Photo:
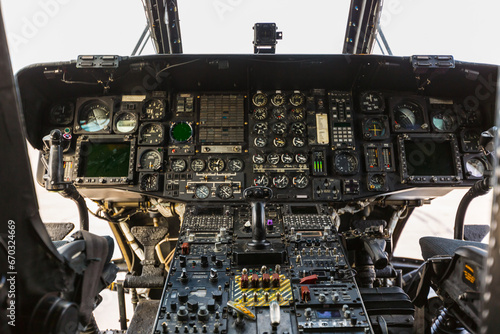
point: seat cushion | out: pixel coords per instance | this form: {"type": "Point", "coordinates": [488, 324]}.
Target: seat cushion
{"type": "Point", "coordinates": [432, 246]}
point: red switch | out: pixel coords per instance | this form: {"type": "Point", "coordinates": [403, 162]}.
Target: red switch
{"type": "Point", "coordinates": [255, 281]}
{"type": "Point", "coordinates": [244, 281]}
{"type": "Point", "coordinates": [185, 248]}
{"type": "Point", "coordinates": [305, 294]}
{"type": "Point", "coordinates": [275, 280]}
{"type": "Point", "coordinates": [266, 280]}
{"type": "Point", "coordinates": [309, 279]}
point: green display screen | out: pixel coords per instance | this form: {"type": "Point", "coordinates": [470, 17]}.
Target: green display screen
{"type": "Point", "coordinates": [104, 159]}
{"type": "Point", "coordinates": [181, 132]}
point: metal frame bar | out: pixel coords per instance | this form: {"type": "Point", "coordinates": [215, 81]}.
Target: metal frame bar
{"type": "Point", "coordinates": [163, 23]}
{"type": "Point", "coordinates": [362, 26]}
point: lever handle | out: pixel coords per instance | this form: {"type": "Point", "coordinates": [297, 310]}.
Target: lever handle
{"type": "Point", "coordinates": [375, 248]}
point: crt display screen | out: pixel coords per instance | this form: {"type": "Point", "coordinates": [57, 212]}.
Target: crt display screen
{"type": "Point", "coordinates": [328, 314]}
{"type": "Point", "coordinates": [425, 157]}
{"type": "Point", "coordinates": [104, 159]}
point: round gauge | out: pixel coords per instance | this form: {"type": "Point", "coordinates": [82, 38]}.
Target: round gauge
{"type": "Point", "coordinates": [149, 182]}
{"type": "Point", "coordinates": [125, 122]}
{"type": "Point", "coordinates": [470, 140]}
{"type": "Point", "coordinates": [216, 165]}
{"type": "Point", "coordinates": [181, 132]}
{"type": "Point", "coordinates": [259, 99]}
{"type": "Point", "coordinates": [298, 128]}
{"type": "Point", "coordinates": [409, 116]}
{"type": "Point", "coordinates": [278, 99]}
{"type": "Point", "coordinates": [374, 128]}
{"type": "Point", "coordinates": [287, 158]}
{"type": "Point", "coordinates": [151, 134]}
{"type": "Point", "coordinates": [260, 141]}
{"type": "Point", "coordinates": [154, 110]}
{"type": "Point", "coordinates": [371, 102]}
{"type": "Point", "coordinates": [301, 158]}
{"type": "Point", "coordinates": [300, 181]}
{"type": "Point", "coordinates": [202, 191]}
{"type": "Point", "coordinates": [258, 159]}
{"type": "Point", "coordinates": [279, 113]}
{"type": "Point", "coordinates": [62, 113]}
{"type": "Point", "coordinates": [297, 114]}
{"type": "Point", "coordinates": [197, 165]}
{"type": "Point", "coordinates": [225, 191]}
{"type": "Point", "coordinates": [475, 167]}
{"type": "Point", "coordinates": [298, 142]}
{"type": "Point", "coordinates": [279, 128]}
{"type": "Point", "coordinates": [260, 114]}
{"type": "Point", "coordinates": [260, 128]}
{"type": "Point", "coordinates": [261, 180]}
{"type": "Point", "coordinates": [444, 121]}
{"type": "Point", "coordinates": [297, 99]}
{"type": "Point", "coordinates": [94, 116]}
{"type": "Point", "coordinates": [346, 162]}
{"type": "Point", "coordinates": [376, 182]}
{"type": "Point", "coordinates": [178, 165]}
{"type": "Point", "coordinates": [235, 165]}
{"type": "Point", "coordinates": [273, 158]}
{"type": "Point", "coordinates": [280, 181]}
{"type": "Point", "coordinates": [150, 160]}
{"type": "Point", "coordinates": [279, 142]}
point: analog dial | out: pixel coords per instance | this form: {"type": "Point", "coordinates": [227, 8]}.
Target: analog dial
{"type": "Point", "coordinates": [149, 182]}
{"type": "Point", "coordinates": [62, 113]}
{"type": "Point", "coordinates": [299, 128]}
{"type": "Point", "coordinates": [178, 165]}
{"type": "Point", "coordinates": [225, 191]}
{"type": "Point", "coordinates": [279, 128]}
{"type": "Point", "coordinates": [376, 182]}
{"type": "Point", "coordinates": [279, 142]}
{"type": "Point", "coordinates": [235, 165]}
{"type": "Point", "coordinates": [297, 99]}
{"type": "Point", "coordinates": [287, 158]}
{"type": "Point", "coordinates": [409, 116]}
{"type": "Point", "coordinates": [475, 167]}
{"type": "Point", "coordinates": [151, 134]}
{"type": "Point", "coordinates": [259, 99]}
{"type": "Point", "coordinates": [126, 122]}
{"type": "Point", "coordinates": [258, 159]}
{"type": "Point", "coordinates": [445, 122]}
{"type": "Point", "coordinates": [371, 102]}
{"type": "Point", "coordinates": [280, 181]}
{"type": "Point", "coordinates": [150, 160]}
{"type": "Point", "coordinates": [300, 181]}
{"type": "Point", "coordinates": [198, 165]}
{"type": "Point", "coordinates": [297, 114]}
{"type": "Point", "coordinates": [298, 141]}
{"type": "Point", "coordinates": [260, 141]}
{"type": "Point", "coordinates": [278, 99]}
{"type": "Point", "coordinates": [301, 158]}
{"type": "Point", "coordinates": [279, 113]}
{"type": "Point", "coordinates": [260, 114]}
{"type": "Point", "coordinates": [94, 117]}
{"type": "Point", "coordinates": [273, 158]}
{"type": "Point", "coordinates": [260, 128]}
{"type": "Point", "coordinates": [346, 163]}
{"type": "Point", "coordinates": [154, 110]}
{"type": "Point", "coordinates": [202, 192]}
{"type": "Point", "coordinates": [216, 165]}
{"type": "Point", "coordinates": [374, 128]}
{"type": "Point", "coordinates": [261, 180]}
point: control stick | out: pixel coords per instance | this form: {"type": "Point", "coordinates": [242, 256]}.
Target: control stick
{"type": "Point", "coordinates": [54, 178]}
{"type": "Point", "coordinates": [257, 196]}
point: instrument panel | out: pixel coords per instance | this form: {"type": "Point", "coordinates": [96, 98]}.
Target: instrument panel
{"type": "Point", "coordinates": [306, 145]}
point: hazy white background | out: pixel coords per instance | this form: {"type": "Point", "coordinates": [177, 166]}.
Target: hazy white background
{"type": "Point", "coordinates": [57, 30]}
